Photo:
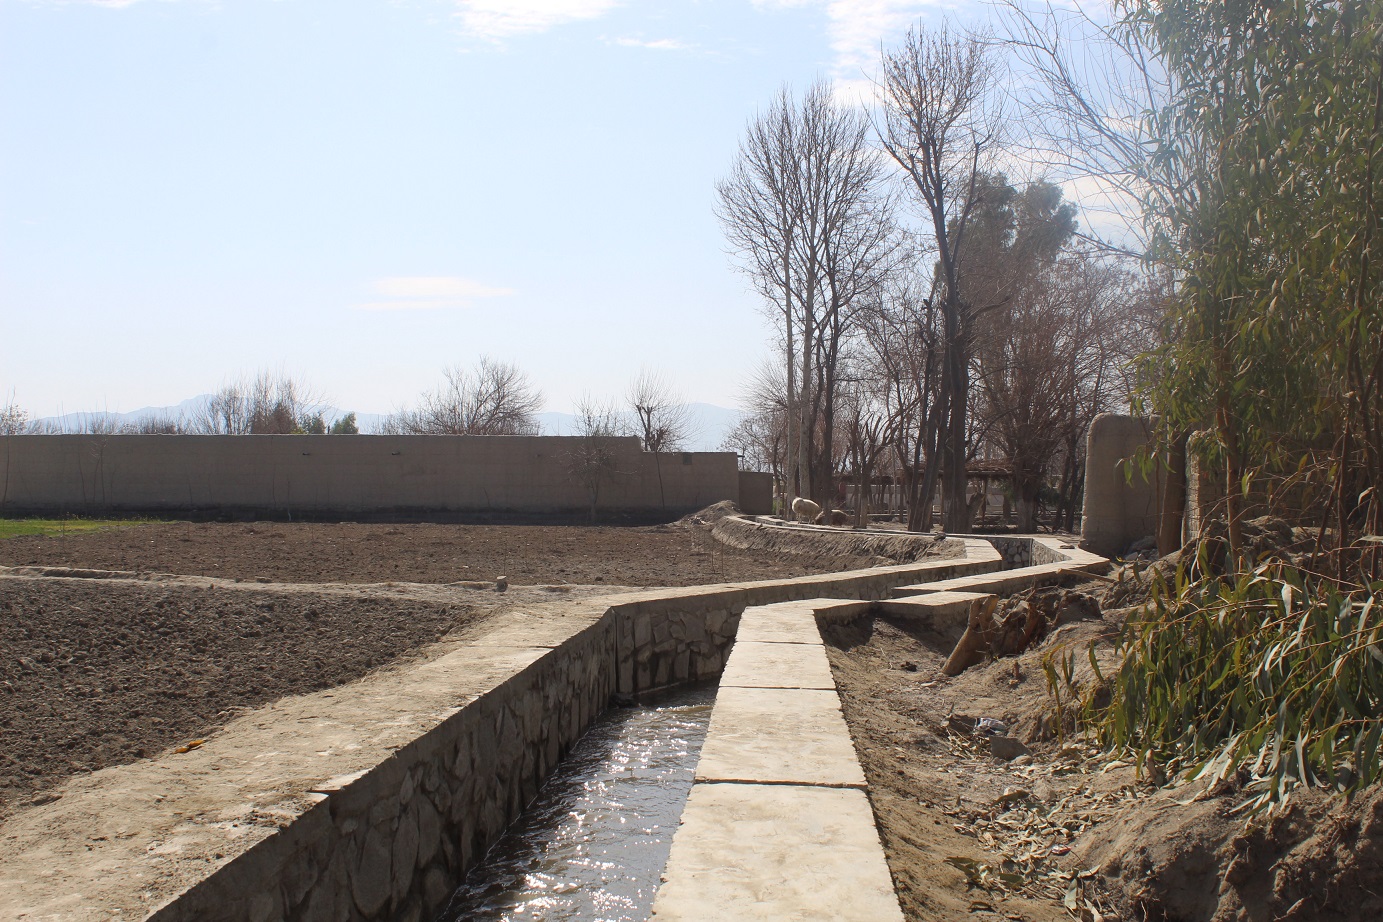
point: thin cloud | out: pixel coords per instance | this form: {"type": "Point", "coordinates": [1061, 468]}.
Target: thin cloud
{"type": "Point", "coordinates": [856, 28]}
{"type": "Point", "coordinates": [429, 293]}
{"type": "Point", "coordinates": [659, 44]}
{"type": "Point", "coordinates": [496, 20]}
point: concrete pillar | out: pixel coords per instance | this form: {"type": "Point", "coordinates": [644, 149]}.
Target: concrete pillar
{"type": "Point", "coordinates": [1118, 510]}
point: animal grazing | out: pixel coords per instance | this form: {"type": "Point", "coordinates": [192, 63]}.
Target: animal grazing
{"type": "Point", "coordinates": [804, 510]}
{"type": "Point", "coordinates": [839, 518]}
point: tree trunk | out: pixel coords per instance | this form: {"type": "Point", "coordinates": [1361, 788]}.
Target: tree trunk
{"type": "Point", "coordinates": [1173, 511]}
{"type": "Point", "coordinates": [804, 459]}
{"type": "Point", "coordinates": [973, 645]}
{"type": "Point", "coordinates": [956, 500]}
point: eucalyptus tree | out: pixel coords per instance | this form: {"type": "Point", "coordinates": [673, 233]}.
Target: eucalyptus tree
{"type": "Point", "coordinates": [1027, 326]}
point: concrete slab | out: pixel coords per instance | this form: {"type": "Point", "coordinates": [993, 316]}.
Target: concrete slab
{"type": "Point", "coordinates": [940, 610]}
{"type": "Point", "coordinates": [770, 852]}
{"type": "Point", "coordinates": [790, 622]}
{"type": "Point", "coordinates": [1003, 582]}
{"type": "Point", "coordinates": [778, 665]}
{"type": "Point", "coordinates": [779, 736]}
{"type": "Point", "coordinates": [526, 629]}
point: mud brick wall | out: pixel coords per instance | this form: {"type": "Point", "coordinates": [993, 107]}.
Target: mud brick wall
{"type": "Point", "coordinates": [349, 475]}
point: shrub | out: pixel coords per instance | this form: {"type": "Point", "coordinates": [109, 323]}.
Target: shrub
{"type": "Point", "coordinates": [1273, 672]}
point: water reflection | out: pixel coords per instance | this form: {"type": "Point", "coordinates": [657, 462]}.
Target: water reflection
{"type": "Point", "coordinates": [594, 843]}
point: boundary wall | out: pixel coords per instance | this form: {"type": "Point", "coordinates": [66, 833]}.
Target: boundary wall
{"type": "Point", "coordinates": [325, 476]}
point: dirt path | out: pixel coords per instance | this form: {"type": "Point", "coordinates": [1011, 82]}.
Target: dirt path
{"type": "Point", "coordinates": [664, 555]}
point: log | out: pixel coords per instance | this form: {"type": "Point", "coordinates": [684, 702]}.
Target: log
{"type": "Point", "coordinates": [973, 645]}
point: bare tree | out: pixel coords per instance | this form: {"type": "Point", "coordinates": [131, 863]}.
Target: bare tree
{"type": "Point", "coordinates": [759, 208]}
{"type": "Point", "coordinates": [592, 460]}
{"type": "Point", "coordinates": [807, 211]}
{"type": "Point", "coordinates": [496, 399]}
{"type": "Point", "coordinates": [1086, 86]}
{"type": "Point", "coordinates": [662, 420]}
{"type": "Point", "coordinates": [866, 426]}
{"type": "Point", "coordinates": [761, 437]}
{"type": "Point", "coordinates": [270, 403]}
{"type": "Point", "coordinates": [14, 419]}
{"type": "Point", "coordinates": [940, 125]}
{"type": "Point", "coordinates": [905, 341]}
{"type": "Point", "coordinates": [760, 441]}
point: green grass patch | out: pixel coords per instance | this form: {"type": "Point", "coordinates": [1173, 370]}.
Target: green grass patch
{"type": "Point", "coordinates": [15, 528]}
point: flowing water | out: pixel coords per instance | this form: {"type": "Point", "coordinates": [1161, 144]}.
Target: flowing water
{"type": "Point", "coordinates": [595, 841]}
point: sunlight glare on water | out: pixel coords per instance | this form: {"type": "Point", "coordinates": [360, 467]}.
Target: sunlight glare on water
{"type": "Point", "coordinates": [593, 844]}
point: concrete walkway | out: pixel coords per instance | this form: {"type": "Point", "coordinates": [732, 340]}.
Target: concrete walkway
{"type": "Point", "coordinates": [778, 826]}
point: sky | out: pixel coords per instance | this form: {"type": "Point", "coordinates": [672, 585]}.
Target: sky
{"type": "Point", "coordinates": [359, 193]}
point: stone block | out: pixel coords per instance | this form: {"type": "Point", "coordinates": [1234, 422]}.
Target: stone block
{"type": "Point", "coordinates": [779, 736]}
{"type": "Point", "coordinates": [405, 854]}
{"type": "Point", "coordinates": [776, 852]}
{"type": "Point", "coordinates": [371, 883]}
{"type": "Point", "coordinates": [778, 665]}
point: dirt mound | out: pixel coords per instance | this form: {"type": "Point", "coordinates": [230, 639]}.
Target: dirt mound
{"type": "Point", "coordinates": [818, 544]}
{"type": "Point", "coordinates": [1175, 857]}
{"type": "Point", "coordinates": [1265, 538]}
{"type": "Point", "coordinates": [708, 516]}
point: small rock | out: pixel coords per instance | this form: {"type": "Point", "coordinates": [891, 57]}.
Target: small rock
{"type": "Point", "coordinates": [1012, 795]}
{"type": "Point", "coordinates": [501, 584]}
{"type": "Point", "coordinates": [1022, 760]}
{"type": "Point", "coordinates": [908, 666]}
{"type": "Point", "coordinates": [1007, 748]}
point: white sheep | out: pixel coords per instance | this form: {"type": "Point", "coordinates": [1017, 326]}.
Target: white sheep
{"type": "Point", "coordinates": [804, 510]}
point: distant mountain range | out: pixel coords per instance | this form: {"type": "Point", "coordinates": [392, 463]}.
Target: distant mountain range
{"type": "Point", "coordinates": [709, 424]}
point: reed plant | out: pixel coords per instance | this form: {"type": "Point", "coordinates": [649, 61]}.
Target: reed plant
{"type": "Point", "coordinates": [1272, 674]}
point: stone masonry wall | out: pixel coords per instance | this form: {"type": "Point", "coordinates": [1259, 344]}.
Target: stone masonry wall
{"type": "Point", "coordinates": [774, 535]}
{"type": "Point", "coordinates": [395, 841]}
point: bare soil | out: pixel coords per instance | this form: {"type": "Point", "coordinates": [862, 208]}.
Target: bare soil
{"type": "Point", "coordinates": [1065, 832]}
{"type": "Point", "coordinates": [663, 555]}
{"type": "Point", "coordinates": [102, 671]}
